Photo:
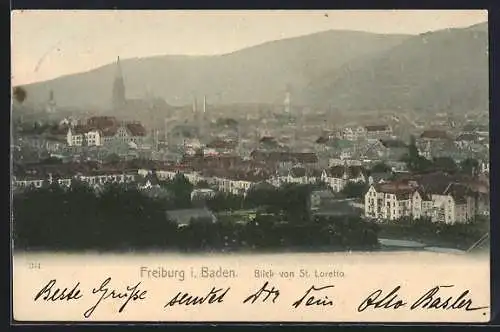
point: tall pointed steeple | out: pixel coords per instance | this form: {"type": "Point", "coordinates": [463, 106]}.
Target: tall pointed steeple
{"type": "Point", "coordinates": [119, 99]}
{"type": "Point", "coordinates": [119, 73]}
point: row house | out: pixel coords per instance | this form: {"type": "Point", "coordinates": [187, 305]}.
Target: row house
{"type": "Point", "coordinates": [353, 133]}
{"type": "Point", "coordinates": [49, 143]}
{"type": "Point", "coordinates": [237, 182]}
{"type": "Point", "coordinates": [466, 140]}
{"type": "Point", "coordinates": [93, 134]}
{"type": "Point", "coordinates": [434, 135]}
{"type": "Point", "coordinates": [285, 159]}
{"type": "Point", "coordinates": [341, 162]}
{"type": "Point", "coordinates": [107, 178]}
{"type": "Point", "coordinates": [378, 131]}
{"type": "Point", "coordinates": [36, 182]}
{"type": "Point", "coordinates": [337, 177]}
{"type": "Point", "coordinates": [83, 136]}
{"type": "Point", "coordinates": [481, 130]}
{"type": "Point", "coordinates": [301, 175]}
{"type": "Point", "coordinates": [456, 204]}
{"type": "Point", "coordinates": [169, 172]}
{"type": "Point", "coordinates": [220, 147]}
{"type": "Point", "coordinates": [66, 181]}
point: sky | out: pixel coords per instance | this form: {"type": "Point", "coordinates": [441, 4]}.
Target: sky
{"type": "Point", "coordinates": [46, 44]}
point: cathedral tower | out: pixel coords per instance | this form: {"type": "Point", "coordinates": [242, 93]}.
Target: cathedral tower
{"type": "Point", "coordinates": [119, 100]}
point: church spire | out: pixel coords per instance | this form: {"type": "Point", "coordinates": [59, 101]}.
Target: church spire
{"type": "Point", "coordinates": [118, 88]}
{"type": "Point", "coordinates": [118, 74]}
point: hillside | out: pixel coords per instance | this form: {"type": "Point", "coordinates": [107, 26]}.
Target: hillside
{"type": "Point", "coordinates": [258, 74]}
{"type": "Point", "coordinates": [445, 70]}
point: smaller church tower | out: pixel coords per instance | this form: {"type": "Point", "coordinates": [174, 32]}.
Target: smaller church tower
{"type": "Point", "coordinates": [51, 104]}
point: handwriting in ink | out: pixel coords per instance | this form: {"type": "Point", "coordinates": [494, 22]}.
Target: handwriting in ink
{"type": "Point", "coordinates": [431, 300]}
{"type": "Point", "coordinates": [267, 293]}
{"type": "Point", "coordinates": [132, 293]}
{"type": "Point", "coordinates": [213, 296]}
{"type": "Point", "coordinates": [378, 301]}
{"type": "Point", "coordinates": [312, 300]}
{"type": "Point", "coordinates": [50, 293]}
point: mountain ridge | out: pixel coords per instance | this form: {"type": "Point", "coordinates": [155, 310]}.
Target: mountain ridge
{"type": "Point", "coordinates": [333, 67]}
{"type": "Point", "coordinates": [279, 64]}
{"type": "Point", "coordinates": [435, 71]}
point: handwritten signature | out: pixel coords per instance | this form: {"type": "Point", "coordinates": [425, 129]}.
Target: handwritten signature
{"type": "Point", "coordinates": [431, 299]}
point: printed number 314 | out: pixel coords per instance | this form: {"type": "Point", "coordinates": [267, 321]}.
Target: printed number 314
{"type": "Point", "coordinates": [34, 265]}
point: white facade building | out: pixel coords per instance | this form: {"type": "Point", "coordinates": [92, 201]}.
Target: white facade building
{"type": "Point", "coordinates": [79, 137]}
{"type": "Point", "coordinates": [392, 201]}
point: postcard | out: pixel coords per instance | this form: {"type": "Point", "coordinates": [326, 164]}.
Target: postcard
{"type": "Point", "coordinates": [250, 166]}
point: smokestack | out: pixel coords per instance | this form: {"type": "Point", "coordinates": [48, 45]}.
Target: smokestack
{"type": "Point", "coordinates": [194, 105]}
{"type": "Point", "coordinates": [287, 102]}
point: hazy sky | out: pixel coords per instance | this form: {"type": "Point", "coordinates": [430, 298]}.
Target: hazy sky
{"type": "Point", "coordinates": [47, 44]}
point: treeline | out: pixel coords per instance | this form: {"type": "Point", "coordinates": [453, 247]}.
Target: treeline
{"type": "Point", "coordinates": [121, 218]}
{"type": "Point", "coordinates": [459, 235]}
{"type": "Point", "coordinates": [417, 163]}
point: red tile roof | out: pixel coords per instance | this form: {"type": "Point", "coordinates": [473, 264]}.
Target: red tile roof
{"type": "Point", "coordinates": [434, 134]}
{"type": "Point", "coordinates": [102, 122]}
{"type": "Point", "coordinates": [221, 144]}
{"type": "Point", "coordinates": [375, 128]}
{"type": "Point", "coordinates": [136, 129]}
{"type": "Point", "coordinates": [277, 156]}
{"type": "Point", "coordinates": [338, 171]}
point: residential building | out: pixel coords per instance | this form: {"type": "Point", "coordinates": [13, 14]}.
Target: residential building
{"type": "Point", "coordinates": [353, 133]}
{"type": "Point", "coordinates": [83, 136]}
{"type": "Point", "coordinates": [337, 177]}
{"type": "Point", "coordinates": [393, 201]}
{"type": "Point", "coordinates": [301, 175]}
{"type": "Point", "coordinates": [396, 200]}
{"type": "Point", "coordinates": [378, 131]}
{"type": "Point", "coordinates": [285, 159]}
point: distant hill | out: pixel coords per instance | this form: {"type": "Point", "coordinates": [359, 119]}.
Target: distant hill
{"type": "Point", "coordinates": [259, 74]}
{"type": "Point", "coordinates": [445, 70]}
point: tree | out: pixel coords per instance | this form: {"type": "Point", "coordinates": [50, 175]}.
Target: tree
{"type": "Point", "coordinates": [355, 190]}
{"type": "Point", "coordinates": [414, 161]}
{"type": "Point", "coordinates": [380, 168]}
{"type": "Point", "coordinates": [51, 161]}
{"type": "Point", "coordinates": [181, 189]}
{"type": "Point", "coordinates": [469, 166]}
{"type": "Point", "coordinates": [113, 159]}
{"type": "Point", "coordinates": [203, 184]}
{"type": "Point", "coordinates": [294, 201]}
{"type": "Point", "coordinates": [446, 164]}
{"type": "Point", "coordinates": [19, 94]}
